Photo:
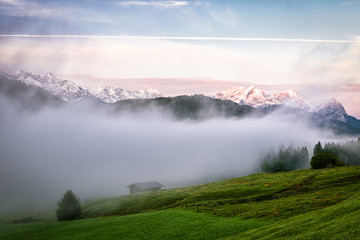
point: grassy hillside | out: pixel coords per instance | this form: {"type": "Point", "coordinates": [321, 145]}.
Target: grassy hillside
{"type": "Point", "coordinates": [305, 204]}
{"type": "Point", "coordinates": [166, 224]}
{"type": "Point", "coordinates": [340, 221]}
{"type": "Point", "coordinates": [265, 195]}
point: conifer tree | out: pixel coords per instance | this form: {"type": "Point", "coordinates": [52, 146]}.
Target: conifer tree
{"type": "Point", "coordinates": [69, 207]}
{"type": "Point", "coordinates": [318, 148]}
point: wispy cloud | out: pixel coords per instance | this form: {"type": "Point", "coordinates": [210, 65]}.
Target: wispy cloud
{"type": "Point", "coordinates": [346, 4]}
{"type": "Point", "coordinates": [226, 17]}
{"type": "Point", "coordinates": [357, 40]}
{"type": "Point", "coordinates": [11, 2]}
{"type": "Point", "coordinates": [20, 8]}
{"type": "Point", "coordinates": [161, 4]}
{"type": "Point", "coordinates": [52, 10]}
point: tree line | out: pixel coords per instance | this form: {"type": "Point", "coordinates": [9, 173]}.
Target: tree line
{"type": "Point", "coordinates": [336, 154]}
{"type": "Point", "coordinates": [331, 155]}
{"type": "Point", "coordinates": [285, 159]}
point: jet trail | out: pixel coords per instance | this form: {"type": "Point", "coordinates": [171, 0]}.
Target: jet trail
{"type": "Point", "coordinates": [180, 38]}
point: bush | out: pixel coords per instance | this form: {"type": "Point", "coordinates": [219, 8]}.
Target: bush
{"type": "Point", "coordinates": [69, 207]}
{"type": "Point", "coordinates": [323, 160]}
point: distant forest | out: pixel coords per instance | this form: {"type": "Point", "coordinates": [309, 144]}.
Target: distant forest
{"type": "Point", "coordinates": [332, 154]}
{"type": "Point", "coordinates": [286, 159]}
{"type": "Point", "coordinates": [348, 152]}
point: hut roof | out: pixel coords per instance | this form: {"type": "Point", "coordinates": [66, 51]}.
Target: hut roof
{"type": "Point", "coordinates": [147, 185]}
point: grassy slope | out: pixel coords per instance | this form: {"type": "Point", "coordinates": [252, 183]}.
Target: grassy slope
{"type": "Point", "coordinates": [269, 196]}
{"type": "Point", "coordinates": [166, 224]}
{"type": "Point", "coordinates": [305, 199]}
{"type": "Point", "coordinates": [341, 221]}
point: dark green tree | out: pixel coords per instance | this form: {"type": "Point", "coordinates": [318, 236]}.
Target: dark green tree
{"type": "Point", "coordinates": [318, 148]}
{"type": "Point", "coordinates": [324, 160]}
{"type": "Point", "coordinates": [69, 207]}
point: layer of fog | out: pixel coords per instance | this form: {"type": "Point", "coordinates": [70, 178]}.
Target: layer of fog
{"type": "Point", "coordinates": [78, 147]}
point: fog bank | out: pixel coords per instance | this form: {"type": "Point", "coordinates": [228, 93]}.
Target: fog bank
{"type": "Point", "coordinates": [79, 147]}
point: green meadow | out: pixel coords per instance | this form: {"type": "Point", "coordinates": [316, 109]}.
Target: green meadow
{"type": "Point", "coordinates": [304, 204]}
{"type": "Point", "coordinates": [165, 224]}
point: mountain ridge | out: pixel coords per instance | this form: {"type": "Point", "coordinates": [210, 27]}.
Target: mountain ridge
{"type": "Point", "coordinates": [68, 90]}
{"type": "Point", "coordinates": [233, 102]}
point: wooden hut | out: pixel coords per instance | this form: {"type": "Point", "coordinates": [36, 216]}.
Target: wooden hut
{"type": "Point", "coordinates": [145, 186]}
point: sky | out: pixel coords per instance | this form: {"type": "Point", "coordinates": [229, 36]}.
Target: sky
{"type": "Point", "coordinates": [187, 47]}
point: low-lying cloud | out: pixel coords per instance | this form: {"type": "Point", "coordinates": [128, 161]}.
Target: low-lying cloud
{"type": "Point", "coordinates": [80, 147]}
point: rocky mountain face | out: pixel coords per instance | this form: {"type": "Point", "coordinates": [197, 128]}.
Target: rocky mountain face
{"type": "Point", "coordinates": [333, 110]}
{"type": "Point", "coordinates": [68, 90]}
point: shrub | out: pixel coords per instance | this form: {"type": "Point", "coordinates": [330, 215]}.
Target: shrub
{"type": "Point", "coordinates": [69, 207]}
{"type": "Point", "coordinates": [323, 160]}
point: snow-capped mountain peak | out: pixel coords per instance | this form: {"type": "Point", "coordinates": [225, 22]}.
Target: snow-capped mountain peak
{"type": "Point", "coordinates": [250, 96]}
{"type": "Point", "coordinates": [286, 94]}
{"type": "Point", "coordinates": [63, 89]}
{"type": "Point", "coordinates": [257, 98]}
{"type": "Point", "coordinates": [50, 75]}
{"type": "Point", "coordinates": [333, 110]}
{"type": "Point", "coordinates": [113, 94]}
{"type": "Point", "coordinates": [68, 90]}
{"type": "Point", "coordinates": [292, 99]}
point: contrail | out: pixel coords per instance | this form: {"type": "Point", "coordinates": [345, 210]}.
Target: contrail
{"type": "Point", "coordinates": [180, 38]}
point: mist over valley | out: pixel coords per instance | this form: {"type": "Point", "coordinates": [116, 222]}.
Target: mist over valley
{"type": "Point", "coordinates": [97, 149]}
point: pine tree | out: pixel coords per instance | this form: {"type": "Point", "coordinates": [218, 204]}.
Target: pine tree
{"type": "Point", "coordinates": [323, 160]}
{"type": "Point", "coordinates": [304, 157]}
{"type": "Point", "coordinates": [318, 148]}
{"type": "Point", "coordinates": [69, 207]}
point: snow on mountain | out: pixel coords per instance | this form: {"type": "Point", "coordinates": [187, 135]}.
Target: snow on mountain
{"type": "Point", "coordinates": [292, 99]}
{"type": "Point", "coordinates": [255, 97]}
{"type": "Point", "coordinates": [63, 89]}
{"type": "Point", "coordinates": [333, 110]}
{"type": "Point", "coordinates": [68, 90]}
{"type": "Point", "coordinates": [114, 94]}
{"type": "Point", "coordinates": [250, 96]}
